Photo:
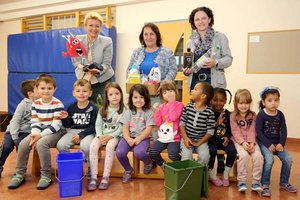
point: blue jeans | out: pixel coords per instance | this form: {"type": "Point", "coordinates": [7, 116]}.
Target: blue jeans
{"type": "Point", "coordinates": [286, 160]}
{"type": "Point", "coordinates": [8, 145]}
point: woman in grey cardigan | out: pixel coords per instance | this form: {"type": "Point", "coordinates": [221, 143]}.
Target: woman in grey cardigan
{"type": "Point", "coordinates": [152, 52]}
{"type": "Point", "coordinates": [214, 45]}
{"type": "Point", "coordinates": [96, 65]}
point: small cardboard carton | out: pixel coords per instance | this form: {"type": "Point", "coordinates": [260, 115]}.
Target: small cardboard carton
{"type": "Point", "coordinates": [151, 87]}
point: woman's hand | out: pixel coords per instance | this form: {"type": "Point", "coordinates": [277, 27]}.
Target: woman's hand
{"type": "Point", "coordinates": [187, 71]}
{"type": "Point", "coordinates": [210, 63]}
{"type": "Point", "coordinates": [95, 71]}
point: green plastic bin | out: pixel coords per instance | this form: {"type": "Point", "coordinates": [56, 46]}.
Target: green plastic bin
{"type": "Point", "coordinates": [183, 180]}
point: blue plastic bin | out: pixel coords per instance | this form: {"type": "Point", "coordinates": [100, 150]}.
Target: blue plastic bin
{"type": "Point", "coordinates": [70, 173]}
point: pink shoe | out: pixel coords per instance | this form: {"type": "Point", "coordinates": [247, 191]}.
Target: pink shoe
{"type": "Point", "coordinates": [217, 182]}
{"type": "Point", "coordinates": [226, 182]}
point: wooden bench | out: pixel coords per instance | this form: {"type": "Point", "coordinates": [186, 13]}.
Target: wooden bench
{"type": "Point", "coordinates": [156, 173]}
{"type": "Point", "coordinates": [136, 164]}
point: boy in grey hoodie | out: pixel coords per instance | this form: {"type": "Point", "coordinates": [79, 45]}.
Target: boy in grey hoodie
{"type": "Point", "coordinates": [19, 126]}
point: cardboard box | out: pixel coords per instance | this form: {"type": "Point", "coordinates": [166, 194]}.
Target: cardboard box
{"type": "Point", "coordinates": [151, 87]}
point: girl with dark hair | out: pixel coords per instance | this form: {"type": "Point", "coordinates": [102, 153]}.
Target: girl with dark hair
{"type": "Point", "coordinates": [272, 133]}
{"type": "Point", "coordinates": [137, 124]}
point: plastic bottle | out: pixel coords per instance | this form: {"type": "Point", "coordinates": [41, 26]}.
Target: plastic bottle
{"type": "Point", "coordinates": [134, 75]}
{"type": "Point", "coordinates": [134, 70]}
{"type": "Point", "coordinates": [210, 54]}
{"type": "Point", "coordinates": [187, 58]}
{"type": "Point", "coordinates": [155, 74]}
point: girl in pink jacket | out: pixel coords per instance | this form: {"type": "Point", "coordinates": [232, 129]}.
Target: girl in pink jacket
{"type": "Point", "coordinates": [242, 122]}
{"type": "Point", "coordinates": [167, 118]}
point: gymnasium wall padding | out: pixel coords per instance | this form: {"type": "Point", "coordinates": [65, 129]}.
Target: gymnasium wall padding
{"type": "Point", "coordinates": [31, 54]}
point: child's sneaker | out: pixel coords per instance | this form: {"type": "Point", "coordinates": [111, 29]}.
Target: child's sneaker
{"type": "Point", "coordinates": [104, 183]}
{"type": "Point", "coordinates": [226, 182]}
{"type": "Point", "coordinates": [288, 187]}
{"type": "Point", "coordinates": [43, 183]}
{"type": "Point", "coordinates": [242, 187]}
{"type": "Point", "coordinates": [92, 186]}
{"type": "Point", "coordinates": [256, 187]}
{"type": "Point", "coordinates": [148, 168]}
{"type": "Point", "coordinates": [127, 176]}
{"type": "Point", "coordinates": [16, 181]}
{"type": "Point", "coordinates": [216, 182]}
{"type": "Point", "coordinates": [266, 191]}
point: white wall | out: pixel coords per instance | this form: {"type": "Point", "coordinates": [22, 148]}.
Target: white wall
{"type": "Point", "coordinates": [10, 27]}
{"type": "Point", "coordinates": [235, 18]}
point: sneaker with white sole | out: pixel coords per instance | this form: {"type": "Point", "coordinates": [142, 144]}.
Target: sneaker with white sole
{"type": "Point", "coordinates": [256, 187]}
{"type": "Point", "coordinates": [242, 187]}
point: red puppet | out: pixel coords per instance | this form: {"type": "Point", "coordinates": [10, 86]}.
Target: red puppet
{"type": "Point", "coordinates": [74, 46]}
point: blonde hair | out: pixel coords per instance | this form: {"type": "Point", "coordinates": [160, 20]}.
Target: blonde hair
{"type": "Point", "coordinates": [167, 85]}
{"type": "Point", "coordinates": [242, 96]}
{"type": "Point", "coordinates": [93, 15]}
{"type": "Point", "coordinates": [82, 82]}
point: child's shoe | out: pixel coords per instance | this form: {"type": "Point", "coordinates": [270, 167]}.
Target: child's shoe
{"type": "Point", "coordinates": [104, 183]}
{"type": "Point", "coordinates": [242, 187]}
{"type": "Point", "coordinates": [127, 176]}
{"type": "Point", "coordinates": [288, 187]}
{"type": "Point", "coordinates": [43, 183]}
{"type": "Point", "coordinates": [216, 182]}
{"type": "Point", "coordinates": [266, 191]}
{"type": "Point", "coordinates": [256, 187]}
{"type": "Point", "coordinates": [92, 186]}
{"type": "Point", "coordinates": [148, 168]}
{"type": "Point", "coordinates": [226, 182]}
{"type": "Point", "coordinates": [16, 181]}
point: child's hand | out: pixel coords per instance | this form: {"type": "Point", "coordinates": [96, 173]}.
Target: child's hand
{"type": "Point", "coordinates": [221, 118]}
{"type": "Point", "coordinates": [76, 139]}
{"type": "Point", "coordinates": [188, 143]}
{"type": "Point", "coordinates": [34, 138]}
{"type": "Point", "coordinates": [279, 147]}
{"type": "Point", "coordinates": [246, 146]}
{"type": "Point", "coordinates": [63, 114]}
{"type": "Point", "coordinates": [104, 139]}
{"type": "Point", "coordinates": [226, 141]}
{"type": "Point", "coordinates": [130, 141]}
{"type": "Point", "coordinates": [137, 140]}
{"type": "Point", "coordinates": [251, 147]}
{"type": "Point", "coordinates": [272, 148]}
{"type": "Point", "coordinates": [196, 144]}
